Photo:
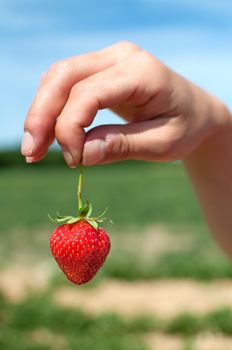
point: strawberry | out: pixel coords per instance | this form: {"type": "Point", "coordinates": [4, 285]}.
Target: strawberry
{"type": "Point", "coordinates": [80, 250]}
{"type": "Point", "coordinates": [80, 246]}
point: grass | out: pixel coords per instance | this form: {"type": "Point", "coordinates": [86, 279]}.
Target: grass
{"type": "Point", "coordinates": [65, 329]}
{"type": "Point", "coordinates": [173, 265]}
{"type": "Point", "coordinates": [217, 321]}
{"type": "Point", "coordinates": [38, 323]}
{"type": "Point", "coordinates": [136, 193]}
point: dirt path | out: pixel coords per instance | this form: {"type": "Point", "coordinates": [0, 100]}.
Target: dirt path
{"type": "Point", "coordinates": [17, 282]}
{"type": "Point", "coordinates": [201, 342]}
{"type": "Point", "coordinates": [165, 298]}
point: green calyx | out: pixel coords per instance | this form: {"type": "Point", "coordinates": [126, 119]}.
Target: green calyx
{"type": "Point", "coordinates": [84, 210]}
{"type": "Point", "coordinates": [84, 215]}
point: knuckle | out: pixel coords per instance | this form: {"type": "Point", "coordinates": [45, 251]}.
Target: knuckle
{"type": "Point", "coordinates": [33, 122]}
{"type": "Point", "coordinates": [66, 130]}
{"type": "Point", "coordinates": [77, 89]}
{"type": "Point", "coordinates": [128, 45]}
{"type": "Point", "coordinates": [150, 60]}
{"type": "Point", "coordinates": [59, 133]}
{"type": "Point", "coordinates": [42, 78]}
{"type": "Point", "coordinates": [169, 147]}
{"type": "Point", "coordinates": [58, 68]}
{"type": "Point", "coordinates": [82, 88]}
{"type": "Point", "coordinates": [160, 73]}
{"type": "Point", "coordinates": [118, 146]}
{"type": "Point", "coordinates": [93, 56]}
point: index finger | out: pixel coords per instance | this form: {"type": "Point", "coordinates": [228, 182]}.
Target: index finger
{"type": "Point", "coordinates": [54, 90]}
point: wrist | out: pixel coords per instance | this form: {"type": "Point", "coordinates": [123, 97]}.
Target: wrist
{"type": "Point", "coordinates": [222, 118]}
{"type": "Point", "coordinates": [217, 127]}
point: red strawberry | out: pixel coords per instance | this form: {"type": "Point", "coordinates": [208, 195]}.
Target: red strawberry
{"type": "Point", "coordinates": [79, 246]}
{"type": "Point", "coordinates": [80, 250]}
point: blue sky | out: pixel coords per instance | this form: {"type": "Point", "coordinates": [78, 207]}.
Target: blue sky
{"type": "Point", "coordinates": [193, 37]}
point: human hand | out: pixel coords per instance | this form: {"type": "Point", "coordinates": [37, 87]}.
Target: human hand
{"type": "Point", "coordinates": [167, 116]}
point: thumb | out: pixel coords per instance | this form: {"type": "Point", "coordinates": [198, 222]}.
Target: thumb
{"type": "Point", "coordinates": [112, 143]}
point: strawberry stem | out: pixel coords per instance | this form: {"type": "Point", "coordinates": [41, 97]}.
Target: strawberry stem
{"type": "Point", "coordinates": [80, 186]}
{"type": "Point", "coordinates": [84, 210]}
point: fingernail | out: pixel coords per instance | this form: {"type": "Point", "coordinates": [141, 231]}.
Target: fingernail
{"type": "Point", "coordinates": [94, 152]}
{"type": "Point", "coordinates": [68, 158]}
{"type": "Point", "coordinates": [27, 144]}
{"type": "Point", "coordinates": [29, 160]}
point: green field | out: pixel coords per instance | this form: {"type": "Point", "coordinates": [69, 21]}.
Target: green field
{"type": "Point", "coordinates": [136, 193]}
{"type": "Point", "coordinates": [66, 329]}
{"type": "Point", "coordinates": [157, 233]}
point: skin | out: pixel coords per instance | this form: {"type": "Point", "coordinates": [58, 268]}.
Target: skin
{"type": "Point", "coordinates": [167, 117]}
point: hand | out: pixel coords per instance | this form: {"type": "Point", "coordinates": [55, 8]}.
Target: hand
{"type": "Point", "coordinates": [168, 117]}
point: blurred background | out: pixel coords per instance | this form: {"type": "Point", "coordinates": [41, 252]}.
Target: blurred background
{"type": "Point", "coordinates": [165, 285]}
